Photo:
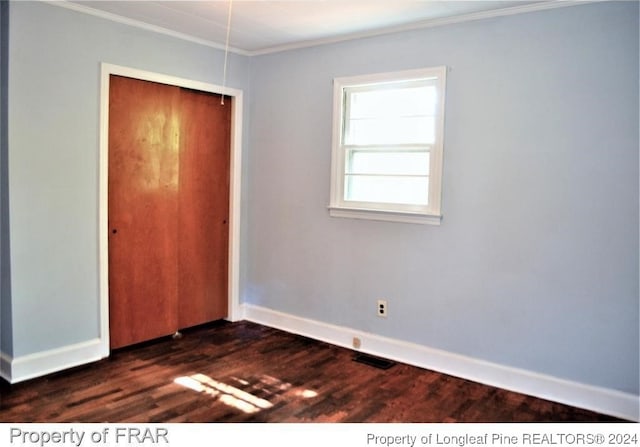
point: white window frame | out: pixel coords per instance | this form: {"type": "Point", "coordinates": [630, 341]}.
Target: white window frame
{"type": "Point", "coordinates": [339, 207]}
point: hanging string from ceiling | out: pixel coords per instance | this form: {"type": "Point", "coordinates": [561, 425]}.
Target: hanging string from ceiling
{"type": "Point", "coordinates": [226, 52]}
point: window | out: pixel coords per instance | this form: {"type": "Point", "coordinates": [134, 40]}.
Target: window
{"type": "Point", "coordinates": [387, 146]}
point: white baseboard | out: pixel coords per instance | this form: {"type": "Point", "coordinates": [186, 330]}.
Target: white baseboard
{"type": "Point", "coordinates": [601, 400]}
{"type": "Point", "coordinates": [30, 366]}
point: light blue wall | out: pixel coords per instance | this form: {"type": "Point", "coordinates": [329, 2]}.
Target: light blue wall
{"type": "Point", "coordinates": [535, 264]}
{"type": "Point", "coordinates": [5, 278]}
{"type": "Point", "coordinates": [54, 87]}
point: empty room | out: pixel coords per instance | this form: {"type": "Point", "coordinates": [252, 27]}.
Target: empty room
{"type": "Point", "coordinates": [319, 211]}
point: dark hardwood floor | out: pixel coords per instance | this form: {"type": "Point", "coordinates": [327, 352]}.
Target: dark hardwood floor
{"type": "Point", "coordinates": [232, 372]}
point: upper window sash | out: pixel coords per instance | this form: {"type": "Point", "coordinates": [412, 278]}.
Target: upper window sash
{"type": "Point", "coordinates": [397, 112]}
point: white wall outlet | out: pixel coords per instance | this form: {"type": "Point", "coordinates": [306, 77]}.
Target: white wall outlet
{"type": "Point", "coordinates": [382, 308]}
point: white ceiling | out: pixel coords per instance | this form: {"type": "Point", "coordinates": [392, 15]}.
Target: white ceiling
{"type": "Point", "coordinates": [266, 26]}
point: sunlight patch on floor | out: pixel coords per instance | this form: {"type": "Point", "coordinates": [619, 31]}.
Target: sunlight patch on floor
{"type": "Point", "coordinates": [233, 391]}
{"type": "Point", "coordinates": [306, 394]}
{"type": "Point", "coordinates": [240, 399]}
{"type": "Point", "coordinates": [228, 394]}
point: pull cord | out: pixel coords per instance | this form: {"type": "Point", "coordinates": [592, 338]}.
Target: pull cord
{"type": "Point", "coordinates": [226, 53]}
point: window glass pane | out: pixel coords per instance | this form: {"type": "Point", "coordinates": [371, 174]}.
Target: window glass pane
{"type": "Point", "coordinates": [387, 189]}
{"type": "Point", "coordinates": [407, 101]}
{"type": "Point", "coordinates": [389, 130]}
{"type": "Point", "coordinates": [379, 162]}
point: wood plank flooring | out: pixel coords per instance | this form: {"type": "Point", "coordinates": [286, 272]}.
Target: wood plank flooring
{"type": "Point", "coordinates": [235, 372]}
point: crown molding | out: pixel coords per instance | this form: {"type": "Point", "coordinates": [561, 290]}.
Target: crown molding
{"type": "Point", "coordinates": [142, 25]}
{"type": "Point", "coordinates": [429, 23]}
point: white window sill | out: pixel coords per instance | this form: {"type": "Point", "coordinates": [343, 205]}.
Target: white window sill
{"type": "Point", "coordinates": [385, 215]}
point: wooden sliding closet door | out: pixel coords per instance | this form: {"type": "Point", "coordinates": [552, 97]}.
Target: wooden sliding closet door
{"type": "Point", "coordinates": [203, 208]}
{"type": "Point", "coordinates": [144, 127]}
{"type": "Point", "coordinates": [168, 209]}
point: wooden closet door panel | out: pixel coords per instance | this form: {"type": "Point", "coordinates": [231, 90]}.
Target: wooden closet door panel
{"type": "Point", "coordinates": [144, 138]}
{"type": "Point", "coordinates": [203, 208]}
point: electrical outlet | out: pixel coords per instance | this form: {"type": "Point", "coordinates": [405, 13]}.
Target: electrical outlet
{"type": "Point", "coordinates": [382, 308]}
{"type": "Point", "coordinates": [356, 343]}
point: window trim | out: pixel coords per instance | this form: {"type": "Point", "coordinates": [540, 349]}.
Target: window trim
{"type": "Point", "coordinates": [338, 207]}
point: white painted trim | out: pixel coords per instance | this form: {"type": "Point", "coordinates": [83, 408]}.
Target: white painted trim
{"type": "Point", "coordinates": [429, 23]}
{"type": "Point", "coordinates": [46, 362]}
{"type": "Point", "coordinates": [235, 185]}
{"type": "Point", "coordinates": [384, 215]}
{"type": "Point", "coordinates": [602, 400]}
{"type": "Point", "coordinates": [235, 189]}
{"type": "Point", "coordinates": [392, 212]}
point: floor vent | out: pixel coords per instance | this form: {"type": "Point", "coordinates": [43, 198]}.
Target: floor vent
{"type": "Point", "coordinates": [376, 362]}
